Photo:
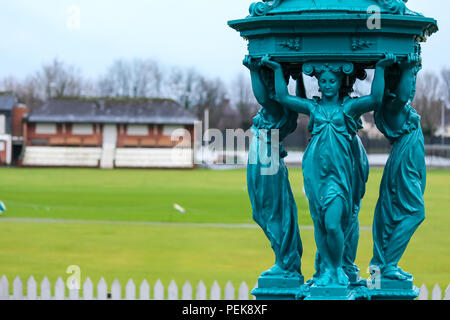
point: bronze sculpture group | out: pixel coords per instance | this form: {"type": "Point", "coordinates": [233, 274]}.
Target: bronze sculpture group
{"type": "Point", "coordinates": [333, 179]}
{"type": "Point", "coordinates": [332, 41]}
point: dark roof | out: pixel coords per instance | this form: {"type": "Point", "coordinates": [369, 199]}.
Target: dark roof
{"type": "Point", "coordinates": [7, 101]}
{"type": "Point", "coordinates": [144, 111]}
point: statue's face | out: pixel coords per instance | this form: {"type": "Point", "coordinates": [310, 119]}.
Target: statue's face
{"type": "Point", "coordinates": [329, 84]}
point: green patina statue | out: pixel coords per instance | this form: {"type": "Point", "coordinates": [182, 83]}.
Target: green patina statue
{"type": "Point", "coordinates": [328, 175]}
{"type": "Point", "coordinates": [400, 209]}
{"type": "Point", "coordinates": [273, 203]}
{"type": "Point", "coordinates": [336, 41]}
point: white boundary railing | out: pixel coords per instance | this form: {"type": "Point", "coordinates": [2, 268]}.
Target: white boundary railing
{"type": "Point", "coordinates": [144, 291]}
{"type": "Point", "coordinates": [436, 293]}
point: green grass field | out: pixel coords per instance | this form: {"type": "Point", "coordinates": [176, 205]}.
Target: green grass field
{"type": "Point", "coordinates": [112, 239]}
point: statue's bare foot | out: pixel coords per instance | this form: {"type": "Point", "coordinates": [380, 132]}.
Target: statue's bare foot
{"type": "Point", "coordinates": [342, 278]}
{"type": "Point", "coordinates": [324, 279]}
{"type": "Point", "coordinates": [277, 271]}
{"type": "Point", "coordinates": [394, 274]}
{"type": "Point", "coordinates": [406, 274]}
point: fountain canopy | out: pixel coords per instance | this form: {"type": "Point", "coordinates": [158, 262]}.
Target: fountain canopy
{"type": "Point", "coordinates": [357, 31]}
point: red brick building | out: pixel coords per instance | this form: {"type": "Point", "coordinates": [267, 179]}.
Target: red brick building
{"type": "Point", "coordinates": [11, 137]}
{"type": "Point", "coordinates": [109, 133]}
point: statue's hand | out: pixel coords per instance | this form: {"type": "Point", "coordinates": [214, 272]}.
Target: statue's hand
{"type": "Point", "coordinates": [411, 62]}
{"type": "Point", "coordinates": [251, 64]}
{"type": "Point", "coordinates": [388, 61]}
{"type": "Point", "coordinates": [269, 63]}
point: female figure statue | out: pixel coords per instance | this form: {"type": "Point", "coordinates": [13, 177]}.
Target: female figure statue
{"type": "Point", "coordinates": [360, 177]}
{"type": "Point", "coordinates": [327, 162]}
{"type": "Point", "coordinates": [400, 208]}
{"type": "Point", "coordinates": [273, 204]}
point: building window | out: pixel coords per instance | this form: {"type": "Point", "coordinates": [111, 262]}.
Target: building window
{"type": "Point", "coordinates": [137, 130]}
{"type": "Point", "coordinates": [46, 128]}
{"type": "Point", "coordinates": [82, 129]}
{"type": "Point", "coordinates": [2, 145]}
{"type": "Point", "coordinates": [169, 130]}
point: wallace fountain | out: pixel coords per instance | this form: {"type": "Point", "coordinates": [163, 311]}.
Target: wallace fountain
{"type": "Point", "coordinates": [336, 42]}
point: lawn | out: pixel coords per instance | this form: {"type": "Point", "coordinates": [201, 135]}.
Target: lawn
{"type": "Point", "coordinates": [175, 251]}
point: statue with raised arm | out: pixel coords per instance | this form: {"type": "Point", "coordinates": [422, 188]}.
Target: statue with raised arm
{"type": "Point", "coordinates": [273, 204]}
{"type": "Point", "coordinates": [400, 209]}
{"type": "Point", "coordinates": [360, 176]}
{"type": "Point", "coordinates": [336, 41]}
{"type": "Point", "coordinates": [328, 160]}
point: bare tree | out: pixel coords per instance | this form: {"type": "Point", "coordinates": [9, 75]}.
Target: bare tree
{"type": "Point", "coordinates": [135, 78]}
{"type": "Point", "coordinates": [116, 82]}
{"type": "Point", "coordinates": [53, 80]}
{"type": "Point", "coordinates": [146, 78]}
{"type": "Point", "coordinates": [197, 93]}
{"type": "Point", "coordinates": [445, 74]}
{"type": "Point", "coordinates": [428, 101]}
{"type": "Point", "coordinates": [182, 85]}
{"type": "Point", "coordinates": [244, 100]}
{"type": "Point", "coordinates": [89, 88]}
{"type": "Point", "coordinates": [211, 94]}
{"type": "Point", "coordinates": [26, 90]}
{"type": "Point", "coordinates": [56, 79]}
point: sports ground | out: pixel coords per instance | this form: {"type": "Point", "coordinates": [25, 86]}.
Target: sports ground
{"type": "Point", "coordinates": [122, 224]}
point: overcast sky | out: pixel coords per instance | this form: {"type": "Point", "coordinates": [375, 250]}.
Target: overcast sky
{"type": "Point", "coordinates": [190, 33]}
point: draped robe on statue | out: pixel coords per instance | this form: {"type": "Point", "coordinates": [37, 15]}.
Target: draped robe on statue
{"type": "Point", "coordinates": [273, 204]}
{"type": "Point", "coordinates": [400, 208]}
{"type": "Point", "coordinates": [329, 174]}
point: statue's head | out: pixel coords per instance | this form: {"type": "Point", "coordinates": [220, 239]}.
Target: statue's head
{"type": "Point", "coordinates": [330, 76]}
{"type": "Point", "coordinates": [268, 80]}
{"type": "Point", "coordinates": [330, 83]}
{"type": "Point", "coordinates": [392, 78]}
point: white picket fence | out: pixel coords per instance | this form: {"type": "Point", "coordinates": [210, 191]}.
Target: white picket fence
{"type": "Point", "coordinates": [116, 292]}
{"type": "Point", "coordinates": [159, 293]}
{"type": "Point", "coordinates": [436, 293]}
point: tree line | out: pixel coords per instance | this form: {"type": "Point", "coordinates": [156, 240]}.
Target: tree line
{"type": "Point", "coordinates": [230, 105]}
